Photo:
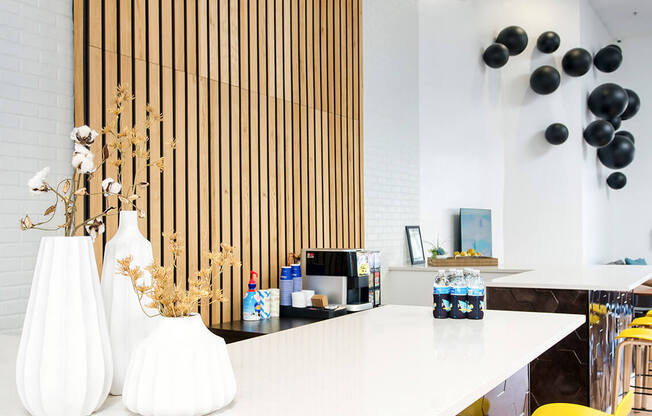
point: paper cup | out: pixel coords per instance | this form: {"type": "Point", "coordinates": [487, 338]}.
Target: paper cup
{"type": "Point", "coordinates": [308, 294]}
{"type": "Point", "coordinates": [298, 300]}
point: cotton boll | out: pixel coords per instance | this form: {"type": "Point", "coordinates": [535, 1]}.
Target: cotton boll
{"type": "Point", "coordinates": [111, 187]}
{"type": "Point", "coordinates": [37, 183]}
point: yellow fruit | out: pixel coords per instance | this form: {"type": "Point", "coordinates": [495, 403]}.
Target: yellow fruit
{"type": "Point", "coordinates": [463, 254]}
{"type": "Point", "coordinates": [470, 251]}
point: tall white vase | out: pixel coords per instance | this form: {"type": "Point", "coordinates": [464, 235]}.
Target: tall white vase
{"type": "Point", "coordinates": [180, 369]}
{"type": "Point", "coordinates": [64, 363]}
{"type": "Point", "coordinates": [128, 325]}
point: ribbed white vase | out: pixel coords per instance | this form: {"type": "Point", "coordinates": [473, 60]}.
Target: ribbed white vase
{"type": "Point", "coordinates": [64, 363]}
{"type": "Point", "coordinates": [180, 369]}
{"type": "Point", "coordinates": [128, 324]}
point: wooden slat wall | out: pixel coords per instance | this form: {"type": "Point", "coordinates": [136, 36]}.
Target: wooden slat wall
{"type": "Point", "coordinates": [263, 98]}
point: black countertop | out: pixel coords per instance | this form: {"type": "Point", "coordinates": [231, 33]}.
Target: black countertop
{"type": "Point", "coordinates": [241, 330]}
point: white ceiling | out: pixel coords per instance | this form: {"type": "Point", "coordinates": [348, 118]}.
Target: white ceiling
{"type": "Point", "coordinates": [625, 18]}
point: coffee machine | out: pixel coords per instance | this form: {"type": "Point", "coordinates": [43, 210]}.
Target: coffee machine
{"type": "Point", "coordinates": [340, 274]}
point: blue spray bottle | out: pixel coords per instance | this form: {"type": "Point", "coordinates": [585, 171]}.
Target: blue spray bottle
{"type": "Point", "coordinates": [251, 303]}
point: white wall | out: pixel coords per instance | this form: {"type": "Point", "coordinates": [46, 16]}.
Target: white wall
{"type": "Point", "coordinates": [36, 116]}
{"type": "Point", "coordinates": [630, 219]}
{"type": "Point", "coordinates": [481, 130]}
{"type": "Point", "coordinates": [596, 196]}
{"type": "Point", "coordinates": [390, 125]}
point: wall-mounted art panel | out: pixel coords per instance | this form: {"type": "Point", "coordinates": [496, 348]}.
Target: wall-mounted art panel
{"type": "Point", "coordinates": [263, 98]}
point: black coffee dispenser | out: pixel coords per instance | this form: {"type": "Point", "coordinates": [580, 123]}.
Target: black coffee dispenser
{"type": "Point", "coordinates": [342, 274]}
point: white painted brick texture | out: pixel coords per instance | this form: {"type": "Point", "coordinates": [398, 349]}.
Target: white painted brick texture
{"type": "Point", "coordinates": [36, 115]}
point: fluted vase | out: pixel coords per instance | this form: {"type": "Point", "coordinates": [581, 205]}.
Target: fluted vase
{"type": "Point", "coordinates": [127, 322]}
{"type": "Point", "coordinates": [180, 369]}
{"type": "Point", "coordinates": [64, 365]}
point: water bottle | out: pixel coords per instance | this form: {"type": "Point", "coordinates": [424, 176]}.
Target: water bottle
{"type": "Point", "coordinates": [286, 286]}
{"type": "Point", "coordinates": [441, 304]}
{"type": "Point", "coordinates": [475, 296]}
{"type": "Point", "coordinates": [459, 290]}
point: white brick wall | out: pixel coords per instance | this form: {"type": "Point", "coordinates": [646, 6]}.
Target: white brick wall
{"type": "Point", "coordinates": [36, 115]}
{"type": "Point", "coordinates": [391, 100]}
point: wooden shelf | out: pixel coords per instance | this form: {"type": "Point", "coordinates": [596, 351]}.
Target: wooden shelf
{"type": "Point", "coordinates": [462, 261]}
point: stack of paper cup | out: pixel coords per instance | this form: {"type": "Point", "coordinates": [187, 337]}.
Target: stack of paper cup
{"type": "Point", "coordinates": [275, 296]}
{"type": "Point", "coordinates": [298, 300]}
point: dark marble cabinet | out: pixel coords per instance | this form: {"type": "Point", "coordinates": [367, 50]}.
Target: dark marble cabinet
{"type": "Point", "coordinates": [578, 369]}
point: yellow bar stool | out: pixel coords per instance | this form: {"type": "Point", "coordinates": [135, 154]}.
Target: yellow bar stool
{"type": "Point", "coordinates": [643, 376]}
{"type": "Point", "coordinates": [642, 322]}
{"type": "Point", "coordinates": [636, 343]}
{"type": "Point", "coordinates": [632, 337]}
{"type": "Point", "coordinates": [567, 409]}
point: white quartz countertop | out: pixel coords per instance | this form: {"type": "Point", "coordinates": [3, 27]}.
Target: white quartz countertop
{"type": "Point", "coordinates": [393, 360]}
{"type": "Point", "coordinates": [586, 277]}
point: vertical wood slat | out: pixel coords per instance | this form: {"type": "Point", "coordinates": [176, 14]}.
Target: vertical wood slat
{"type": "Point", "coordinates": [263, 98]}
{"type": "Point", "coordinates": [167, 104]}
{"type": "Point", "coordinates": [80, 56]}
{"type": "Point", "coordinates": [139, 89]}
{"type": "Point", "coordinates": [194, 214]}
{"type": "Point", "coordinates": [205, 191]}
{"type": "Point", "coordinates": [110, 82]}
{"type": "Point", "coordinates": [95, 109]}
{"type": "Point", "coordinates": [245, 145]}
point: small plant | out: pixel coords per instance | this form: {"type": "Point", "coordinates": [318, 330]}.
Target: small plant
{"type": "Point", "coordinates": [173, 300]}
{"type": "Point", "coordinates": [437, 249]}
{"type": "Point", "coordinates": [123, 142]}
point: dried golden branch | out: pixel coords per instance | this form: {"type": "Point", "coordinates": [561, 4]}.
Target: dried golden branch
{"type": "Point", "coordinates": [168, 298]}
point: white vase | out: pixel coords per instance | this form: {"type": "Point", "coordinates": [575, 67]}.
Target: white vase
{"type": "Point", "coordinates": [128, 324]}
{"type": "Point", "coordinates": [180, 369]}
{"type": "Point", "coordinates": [64, 363]}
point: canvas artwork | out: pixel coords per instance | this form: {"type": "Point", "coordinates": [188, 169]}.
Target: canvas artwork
{"type": "Point", "coordinates": [475, 230]}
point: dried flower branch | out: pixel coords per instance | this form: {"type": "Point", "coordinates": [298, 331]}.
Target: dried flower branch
{"type": "Point", "coordinates": [169, 299]}
{"type": "Point", "coordinates": [122, 141]}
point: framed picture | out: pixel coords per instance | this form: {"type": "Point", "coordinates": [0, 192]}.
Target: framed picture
{"type": "Point", "coordinates": [475, 230]}
{"type": "Point", "coordinates": [413, 233]}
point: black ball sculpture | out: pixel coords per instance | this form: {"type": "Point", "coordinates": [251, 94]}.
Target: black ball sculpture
{"type": "Point", "coordinates": [556, 133]}
{"type": "Point", "coordinates": [548, 42]}
{"type": "Point", "coordinates": [616, 122]}
{"type": "Point", "coordinates": [545, 80]}
{"type": "Point", "coordinates": [608, 101]}
{"type": "Point", "coordinates": [627, 134]}
{"type": "Point", "coordinates": [617, 154]}
{"type": "Point", "coordinates": [617, 180]}
{"type": "Point", "coordinates": [576, 62]}
{"type": "Point", "coordinates": [599, 133]}
{"type": "Point", "coordinates": [496, 55]}
{"type": "Point", "coordinates": [633, 105]}
{"type": "Point", "coordinates": [608, 59]}
{"type": "Point", "coordinates": [514, 37]}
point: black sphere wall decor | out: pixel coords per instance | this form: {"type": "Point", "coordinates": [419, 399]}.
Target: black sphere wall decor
{"type": "Point", "coordinates": [616, 122]}
{"type": "Point", "coordinates": [496, 55]}
{"type": "Point", "coordinates": [556, 133]}
{"type": "Point", "coordinates": [617, 154]}
{"type": "Point", "coordinates": [633, 105]}
{"type": "Point", "coordinates": [576, 62]}
{"type": "Point", "coordinates": [545, 80]}
{"type": "Point", "coordinates": [599, 133]}
{"type": "Point", "coordinates": [617, 180]}
{"type": "Point", "coordinates": [627, 134]}
{"type": "Point", "coordinates": [548, 42]}
{"type": "Point", "coordinates": [514, 37]}
{"type": "Point", "coordinates": [608, 101]}
{"type": "Point", "coordinates": [608, 59]}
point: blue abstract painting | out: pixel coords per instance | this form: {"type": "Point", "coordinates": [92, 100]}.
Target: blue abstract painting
{"type": "Point", "coordinates": [475, 230]}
